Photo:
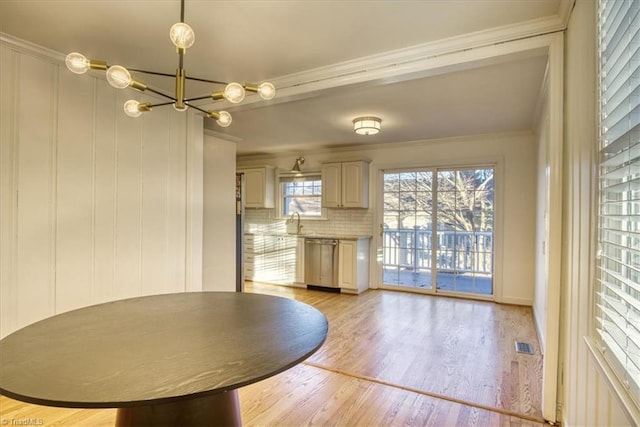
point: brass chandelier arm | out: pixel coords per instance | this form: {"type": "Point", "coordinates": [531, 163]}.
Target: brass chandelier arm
{"type": "Point", "coordinates": [95, 64]}
{"type": "Point", "coordinates": [151, 72]}
{"type": "Point", "coordinates": [162, 104]}
{"type": "Point", "coordinates": [198, 98]}
{"type": "Point", "coordinates": [217, 82]}
{"type": "Point", "coordinates": [197, 108]}
{"type": "Point", "coordinates": [157, 92]}
{"type": "Point", "coordinates": [198, 79]}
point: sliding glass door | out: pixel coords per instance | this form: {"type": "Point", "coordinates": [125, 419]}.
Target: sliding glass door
{"type": "Point", "coordinates": [459, 205]}
{"type": "Point", "coordinates": [407, 224]}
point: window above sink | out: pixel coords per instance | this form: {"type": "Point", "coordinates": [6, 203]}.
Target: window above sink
{"type": "Point", "coordinates": [301, 194]}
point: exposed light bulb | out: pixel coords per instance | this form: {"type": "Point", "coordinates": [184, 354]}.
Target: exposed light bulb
{"type": "Point", "coordinates": [224, 120]}
{"type": "Point", "coordinates": [131, 108]}
{"type": "Point", "coordinates": [77, 63]}
{"type": "Point", "coordinates": [118, 77]}
{"type": "Point", "coordinates": [182, 35]}
{"type": "Point", "coordinates": [266, 90]}
{"type": "Point", "coordinates": [234, 93]}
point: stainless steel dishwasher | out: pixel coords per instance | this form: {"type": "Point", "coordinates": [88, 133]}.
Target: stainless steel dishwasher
{"type": "Point", "coordinates": [321, 263]}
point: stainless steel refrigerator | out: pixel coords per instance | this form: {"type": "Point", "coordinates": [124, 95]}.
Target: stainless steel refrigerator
{"type": "Point", "coordinates": [239, 232]}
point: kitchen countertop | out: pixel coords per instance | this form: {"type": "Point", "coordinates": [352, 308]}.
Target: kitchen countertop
{"type": "Point", "coordinates": [345, 237]}
{"type": "Point", "coordinates": [314, 235]}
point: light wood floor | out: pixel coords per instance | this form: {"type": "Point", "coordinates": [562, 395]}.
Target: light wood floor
{"type": "Point", "coordinates": [391, 358]}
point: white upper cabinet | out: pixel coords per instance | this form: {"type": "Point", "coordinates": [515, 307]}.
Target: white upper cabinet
{"type": "Point", "coordinates": [259, 187]}
{"type": "Point", "coordinates": [331, 185]}
{"type": "Point", "coordinates": [345, 185]}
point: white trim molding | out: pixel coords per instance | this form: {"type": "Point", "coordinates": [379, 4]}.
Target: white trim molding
{"type": "Point", "coordinates": [440, 56]}
{"type": "Point", "coordinates": [619, 392]}
{"type": "Point", "coordinates": [554, 232]}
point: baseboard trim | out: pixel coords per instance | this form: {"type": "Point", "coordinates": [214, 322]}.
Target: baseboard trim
{"type": "Point", "coordinates": [516, 301]}
{"type": "Point", "coordinates": [538, 329]}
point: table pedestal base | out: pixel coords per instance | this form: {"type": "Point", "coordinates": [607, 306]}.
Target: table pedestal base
{"type": "Point", "coordinates": [221, 409]}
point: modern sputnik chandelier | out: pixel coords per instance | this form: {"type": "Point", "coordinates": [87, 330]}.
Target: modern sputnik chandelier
{"type": "Point", "coordinates": [183, 37]}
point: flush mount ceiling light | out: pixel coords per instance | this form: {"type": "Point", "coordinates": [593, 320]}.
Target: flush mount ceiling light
{"type": "Point", "coordinates": [183, 38]}
{"type": "Point", "coordinates": [296, 166]}
{"type": "Point", "coordinates": [366, 125]}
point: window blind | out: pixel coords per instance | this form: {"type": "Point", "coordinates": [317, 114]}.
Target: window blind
{"type": "Point", "coordinates": [617, 296]}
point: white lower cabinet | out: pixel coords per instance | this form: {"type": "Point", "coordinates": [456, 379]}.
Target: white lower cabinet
{"type": "Point", "coordinates": [249, 256]}
{"type": "Point", "coordinates": [353, 265]}
{"type": "Point", "coordinates": [272, 258]}
{"type": "Point", "coordinates": [280, 259]}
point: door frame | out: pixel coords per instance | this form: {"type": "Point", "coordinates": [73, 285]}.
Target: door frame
{"type": "Point", "coordinates": [552, 44]}
{"type": "Point", "coordinates": [494, 164]}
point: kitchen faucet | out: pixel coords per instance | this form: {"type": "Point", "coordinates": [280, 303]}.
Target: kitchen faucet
{"type": "Point", "coordinates": [290, 221]}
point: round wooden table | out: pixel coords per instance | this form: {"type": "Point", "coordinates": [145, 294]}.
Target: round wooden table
{"type": "Point", "coordinates": [174, 359]}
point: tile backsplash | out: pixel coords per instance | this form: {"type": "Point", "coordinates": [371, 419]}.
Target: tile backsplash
{"type": "Point", "coordinates": [339, 222]}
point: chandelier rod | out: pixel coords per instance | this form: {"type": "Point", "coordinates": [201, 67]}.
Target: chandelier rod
{"type": "Point", "coordinates": [180, 72]}
{"type": "Point", "coordinates": [161, 104]}
{"type": "Point", "coordinates": [206, 80]}
{"type": "Point", "coordinates": [173, 75]}
{"type": "Point", "coordinates": [197, 98]}
{"type": "Point", "coordinates": [160, 93]}
{"type": "Point", "coordinates": [197, 108]}
{"type": "Point", "coordinates": [152, 72]}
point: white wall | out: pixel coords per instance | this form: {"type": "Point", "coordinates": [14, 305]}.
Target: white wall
{"type": "Point", "coordinates": [586, 394]}
{"type": "Point", "coordinates": [95, 206]}
{"type": "Point", "coordinates": [542, 222]}
{"type": "Point", "coordinates": [219, 244]}
{"type": "Point", "coordinates": [515, 192]}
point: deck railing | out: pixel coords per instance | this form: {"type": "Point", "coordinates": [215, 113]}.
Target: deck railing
{"type": "Point", "coordinates": [457, 251]}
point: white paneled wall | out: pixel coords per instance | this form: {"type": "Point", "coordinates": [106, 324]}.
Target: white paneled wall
{"type": "Point", "coordinates": [96, 206]}
{"type": "Point", "coordinates": [219, 234]}
{"type": "Point", "coordinates": [541, 293]}
{"type": "Point", "coordinates": [587, 397]}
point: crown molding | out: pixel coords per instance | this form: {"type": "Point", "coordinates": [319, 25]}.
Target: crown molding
{"type": "Point", "coordinates": [428, 50]}
{"type": "Point", "coordinates": [26, 47]}
{"type": "Point", "coordinates": [564, 11]}
{"type": "Point", "coordinates": [423, 60]}
{"type": "Point", "coordinates": [358, 148]}
{"type": "Point", "coordinates": [222, 136]}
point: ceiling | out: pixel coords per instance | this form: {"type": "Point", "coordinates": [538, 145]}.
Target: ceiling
{"type": "Point", "coordinates": [331, 61]}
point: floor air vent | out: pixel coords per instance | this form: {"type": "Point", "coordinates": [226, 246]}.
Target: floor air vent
{"type": "Point", "coordinates": [524, 347]}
